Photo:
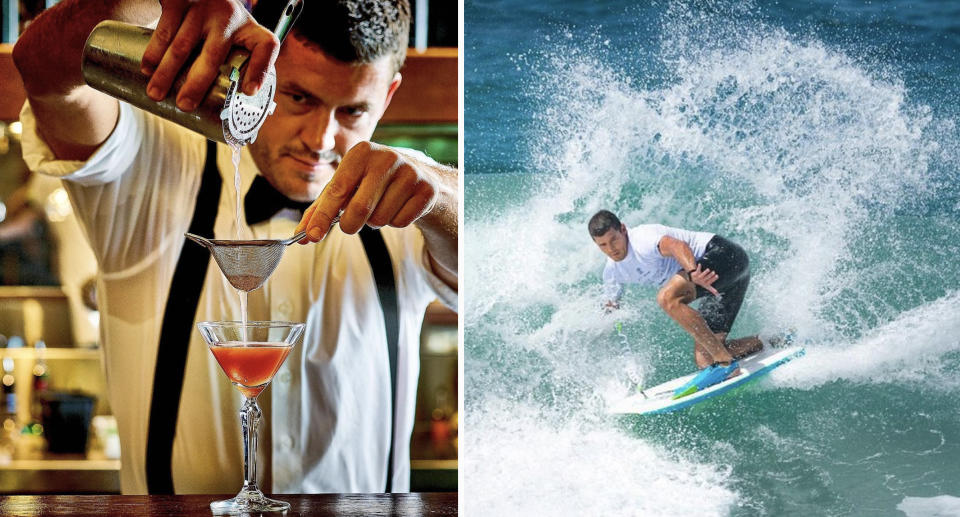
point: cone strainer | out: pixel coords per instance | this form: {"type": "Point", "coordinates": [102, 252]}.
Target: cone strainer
{"type": "Point", "coordinates": [246, 264]}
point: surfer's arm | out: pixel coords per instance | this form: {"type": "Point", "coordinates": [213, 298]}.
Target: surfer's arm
{"type": "Point", "coordinates": [612, 290]}
{"type": "Point", "coordinates": [681, 252]}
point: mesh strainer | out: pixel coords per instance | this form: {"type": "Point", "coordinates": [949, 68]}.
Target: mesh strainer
{"type": "Point", "coordinates": [246, 264]}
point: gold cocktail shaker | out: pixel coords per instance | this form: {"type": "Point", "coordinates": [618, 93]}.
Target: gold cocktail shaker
{"type": "Point", "coordinates": [111, 64]}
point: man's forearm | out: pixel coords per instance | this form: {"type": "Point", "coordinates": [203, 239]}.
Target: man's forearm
{"type": "Point", "coordinates": [48, 53]}
{"type": "Point", "coordinates": [72, 118]}
{"type": "Point", "coordinates": [684, 257]}
{"type": "Point", "coordinates": [679, 250]}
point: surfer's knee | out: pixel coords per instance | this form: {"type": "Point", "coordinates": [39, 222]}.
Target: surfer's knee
{"type": "Point", "coordinates": [669, 299]}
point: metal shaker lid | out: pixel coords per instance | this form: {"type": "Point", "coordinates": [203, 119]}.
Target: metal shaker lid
{"type": "Point", "coordinates": [243, 115]}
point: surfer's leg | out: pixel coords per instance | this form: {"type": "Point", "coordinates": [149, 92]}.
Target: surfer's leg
{"type": "Point", "coordinates": [700, 356]}
{"type": "Point", "coordinates": [674, 298]}
{"type": "Point", "coordinates": [720, 313]}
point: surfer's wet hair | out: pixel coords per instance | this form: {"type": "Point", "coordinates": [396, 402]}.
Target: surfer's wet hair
{"type": "Point", "coordinates": [602, 222]}
{"type": "Point", "coordinates": [351, 31]}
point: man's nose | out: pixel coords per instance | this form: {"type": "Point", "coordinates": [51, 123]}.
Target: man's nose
{"type": "Point", "coordinates": [320, 131]}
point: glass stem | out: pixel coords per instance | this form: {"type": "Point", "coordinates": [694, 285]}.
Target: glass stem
{"type": "Point", "coordinates": [249, 423]}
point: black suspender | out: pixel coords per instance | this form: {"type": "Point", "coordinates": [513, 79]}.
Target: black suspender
{"type": "Point", "coordinates": [382, 266]}
{"type": "Point", "coordinates": [178, 316]}
{"type": "Point", "coordinates": [181, 311]}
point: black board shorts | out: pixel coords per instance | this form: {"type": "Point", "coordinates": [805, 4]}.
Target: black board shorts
{"type": "Point", "coordinates": [732, 266]}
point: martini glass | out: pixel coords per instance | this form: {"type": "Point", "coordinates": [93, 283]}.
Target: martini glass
{"type": "Point", "coordinates": [250, 354]}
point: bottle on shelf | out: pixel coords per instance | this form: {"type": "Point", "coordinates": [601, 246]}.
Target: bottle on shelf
{"type": "Point", "coordinates": [41, 381]}
{"type": "Point", "coordinates": [9, 432]}
{"type": "Point", "coordinates": [9, 387]}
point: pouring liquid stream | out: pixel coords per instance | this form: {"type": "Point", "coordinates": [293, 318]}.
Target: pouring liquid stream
{"type": "Point", "coordinates": [238, 231]}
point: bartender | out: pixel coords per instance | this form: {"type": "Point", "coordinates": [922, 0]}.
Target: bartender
{"type": "Point", "coordinates": [339, 422]}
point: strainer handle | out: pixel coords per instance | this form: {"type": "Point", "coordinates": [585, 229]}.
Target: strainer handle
{"type": "Point", "coordinates": [295, 238]}
{"type": "Point", "coordinates": [287, 17]}
{"type": "Point", "coordinates": [199, 240]}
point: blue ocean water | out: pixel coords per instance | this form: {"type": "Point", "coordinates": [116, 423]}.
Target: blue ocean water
{"type": "Point", "coordinates": [820, 135]}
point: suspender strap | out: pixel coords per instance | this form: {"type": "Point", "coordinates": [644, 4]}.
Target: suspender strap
{"type": "Point", "coordinates": [382, 266]}
{"type": "Point", "coordinates": [178, 316]}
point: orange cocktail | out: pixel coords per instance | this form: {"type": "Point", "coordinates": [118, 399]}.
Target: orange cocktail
{"type": "Point", "coordinates": [250, 366]}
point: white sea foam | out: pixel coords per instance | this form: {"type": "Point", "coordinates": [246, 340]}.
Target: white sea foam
{"type": "Point", "coordinates": [908, 349]}
{"type": "Point", "coordinates": [538, 468]}
{"type": "Point", "coordinates": [939, 506]}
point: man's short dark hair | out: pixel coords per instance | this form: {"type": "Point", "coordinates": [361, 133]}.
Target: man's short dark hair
{"type": "Point", "coordinates": [602, 222]}
{"type": "Point", "coordinates": [352, 31]}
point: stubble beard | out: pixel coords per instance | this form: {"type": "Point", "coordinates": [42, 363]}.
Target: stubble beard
{"type": "Point", "coordinates": [295, 184]}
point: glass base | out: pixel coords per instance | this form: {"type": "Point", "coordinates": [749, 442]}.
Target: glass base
{"type": "Point", "coordinates": [248, 501]}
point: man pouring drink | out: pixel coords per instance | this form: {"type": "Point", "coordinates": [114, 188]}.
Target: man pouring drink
{"type": "Point", "coordinates": [138, 182]}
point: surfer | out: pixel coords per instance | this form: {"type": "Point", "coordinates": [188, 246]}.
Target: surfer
{"type": "Point", "coordinates": [686, 266]}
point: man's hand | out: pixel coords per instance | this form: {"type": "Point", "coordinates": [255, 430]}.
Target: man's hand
{"type": "Point", "coordinates": [705, 279]}
{"type": "Point", "coordinates": [380, 186]}
{"type": "Point", "coordinates": [374, 185]}
{"type": "Point", "coordinates": [221, 24]}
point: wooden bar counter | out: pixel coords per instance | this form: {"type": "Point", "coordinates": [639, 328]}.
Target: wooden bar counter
{"type": "Point", "coordinates": [414, 504]}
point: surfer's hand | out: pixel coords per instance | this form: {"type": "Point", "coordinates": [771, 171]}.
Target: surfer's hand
{"type": "Point", "coordinates": [215, 26]}
{"type": "Point", "coordinates": [705, 279]}
{"type": "Point", "coordinates": [610, 306]}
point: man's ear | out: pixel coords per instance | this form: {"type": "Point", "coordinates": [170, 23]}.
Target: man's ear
{"type": "Point", "coordinates": [623, 228]}
{"type": "Point", "coordinates": [394, 84]}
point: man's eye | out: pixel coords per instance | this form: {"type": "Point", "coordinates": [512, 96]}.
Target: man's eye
{"type": "Point", "coordinates": [297, 98]}
{"type": "Point", "coordinates": [353, 111]}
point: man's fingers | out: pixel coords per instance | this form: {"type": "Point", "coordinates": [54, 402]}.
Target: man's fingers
{"type": "Point", "coordinates": [318, 222]}
{"type": "Point", "coordinates": [413, 209]}
{"type": "Point", "coordinates": [381, 172]}
{"type": "Point", "coordinates": [170, 18]}
{"type": "Point", "coordinates": [373, 185]}
{"type": "Point", "coordinates": [264, 47]}
{"type": "Point", "coordinates": [304, 223]}
{"type": "Point", "coordinates": [377, 178]}
{"type": "Point", "coordinates": [705, 276]}
{"type": "Point", "coordinates": [338, 193]}
{"type": "Point", "coordinates": [392, 200]}
{"type": "Point", "coordinates": [176, 55]}
{"type": "Point", "coordinates": [318, 225]}
{"type": "Point", "coordinates": [203, 71]}
{"type": "Point", "coordinates": [302, 226]}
